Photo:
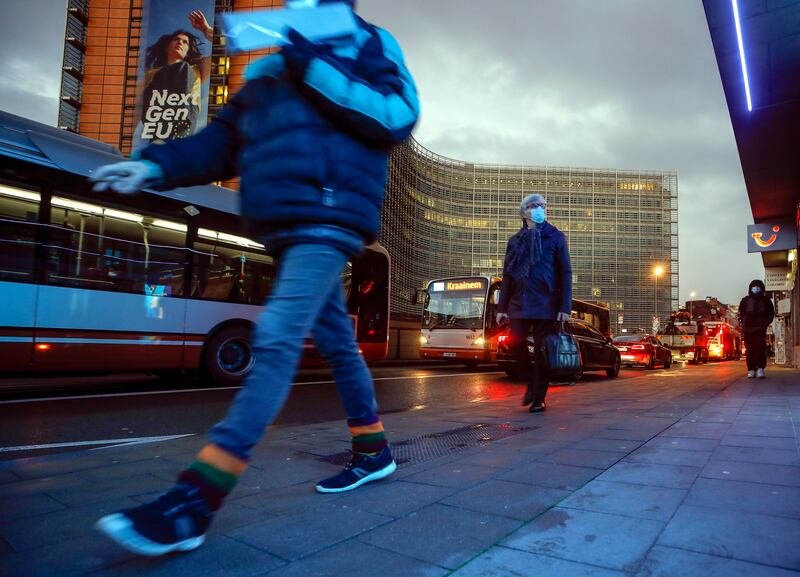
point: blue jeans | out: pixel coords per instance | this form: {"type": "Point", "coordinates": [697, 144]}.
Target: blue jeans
{"type": "Point", "coordinates": [307, 299]}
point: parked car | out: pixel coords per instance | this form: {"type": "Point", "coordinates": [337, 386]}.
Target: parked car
{"type": "Point", "coordinates": [643, 350]}
{"type": "Point", "coordinates": [597, 352]}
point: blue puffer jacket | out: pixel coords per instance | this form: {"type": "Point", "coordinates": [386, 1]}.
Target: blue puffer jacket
{"type": "Point", "coordinates": [309, 133]}
{"type": "Point", "coordinates": [548, 289]}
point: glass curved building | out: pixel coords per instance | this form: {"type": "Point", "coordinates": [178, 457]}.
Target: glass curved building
{"type": "Point", "coordinates": [445, 217]}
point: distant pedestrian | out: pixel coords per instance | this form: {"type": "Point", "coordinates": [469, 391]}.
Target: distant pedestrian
{"type": "Point", "coordinates": [310, 133]}
{"type": "Point", "coordinates": [536, 294]}
{"type": "Point", "coordinates": [755, 315]}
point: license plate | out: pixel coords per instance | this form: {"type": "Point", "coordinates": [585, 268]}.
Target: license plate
{"type": "Point", "coordinates": [623, 348]}
{"type": "Point", "coordinates": [531, 349]}
{"type": "Point", "coordinates": [449, 355]}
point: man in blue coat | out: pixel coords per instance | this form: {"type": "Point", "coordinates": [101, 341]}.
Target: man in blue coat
{"type": "Point", "coordinates": [310, 134]}
{"type": "Point", "coordinates": [536, 293]}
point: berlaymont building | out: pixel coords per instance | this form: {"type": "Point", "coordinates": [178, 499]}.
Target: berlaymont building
{"type": "Point", "coordinates": [446, 217]}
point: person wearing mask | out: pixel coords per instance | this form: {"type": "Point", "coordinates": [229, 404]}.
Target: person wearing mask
{"type": "Point", "coordinates": [310, 134]}
{"type": "Point", "coordinates": [755, 315]}
{"type": "Point", "coordinates": [536, 294]}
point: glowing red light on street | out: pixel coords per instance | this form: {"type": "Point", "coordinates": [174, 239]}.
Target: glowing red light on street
{"type": "Point", "coordinates": [43, 347]}
{"type": "Point", "coordinates": [371, 332]}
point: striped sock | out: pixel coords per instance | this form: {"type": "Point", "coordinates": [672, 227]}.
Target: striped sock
{"type": "Point", "coordinates": [368, 435]}
{"type": "Point", "coordinates": [215, 473]}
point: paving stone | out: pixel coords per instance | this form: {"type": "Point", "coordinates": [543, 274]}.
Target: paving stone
{"type": "Point", "coordinates": [441, 535]}
{"type": "Point", "coordinates": [763, 429]}
{"type": "Point", "coordinates": [616, 445]}
{"type": "Point", "coordinates": [515, 500]}
{"type": "Point", "coordinates": [394, 499]}
{"type": "Point", "coordinates": [609, 541]}
{"type": "Point", "coordinates": [642, 501]}
{"type": "Point", "coordinates": [564, 477]}
{"type": "Point", "coordinates": [682, 444]}
{"type": "Point", "coordinates": [756, 455]}
{"type": "Point", "coordinates": [41, 530]}
{"type": "Point", "coordinates": [60, 464]}
{"type": "Point", "coordinates": [752, 472]}
{"type": "Point", "coordinates": [669, 562]}
{"type": "Point", "coordinates": [674, 476]}
{"type": "Point", "coordinates": [777, 500]}
{"type": "Point", "coordinates": [300, 497]}
{"type": "Point", "coordinates": [218, 556]}
{"type": "Point", "coordinates": [27, 506]}
{"type": "Point", "coordinates": [745, 536]}
{"type": "Point", "coordinates": [504, 562]}
{"type": "Point", "coordinates": [697, 430]}
{"type": "Point", "coordinates": [584, 458]}
{"type": "Point", "coordinates": [501, 459]}
{"type": "Point", "coordinates": [7, 476]}
{"type": "Point", "coordinates": [66, 559]}
{"type": "Point", "coordinates": [356, 559]}
{"type": "Point", "coordinates": [297, 535]}
{"type": "Point", "coordinates": [648, 454]}
{"type": "Point", "coordinates": [453, 475]}
{"type": "Point", "coordinates": [97, 490]}
{"type": "Point", "coordinates": [782, 443]}
{"type": "Point", "coordinates": [714, 415]}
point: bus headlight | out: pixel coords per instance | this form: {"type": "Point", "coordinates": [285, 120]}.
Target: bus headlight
{"type": "Point", "coordinates": [478, 342]}
{"type": "Point", "coordinates": [423, 340]}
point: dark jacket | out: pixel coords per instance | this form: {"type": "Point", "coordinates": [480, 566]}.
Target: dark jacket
{"type": "Point", "coordinates": [548, 289]}
{"type": "Point", "coordinates": [756, 311]}
{"type": "Point", "coordinates": [310, 134]}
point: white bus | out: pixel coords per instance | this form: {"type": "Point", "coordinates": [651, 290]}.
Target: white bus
{"type": "Point", "coordinates": [458, 319]}
{"type": "Point", "coordinates": [158, 281]}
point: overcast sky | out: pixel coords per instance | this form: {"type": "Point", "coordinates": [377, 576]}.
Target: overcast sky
{"type": "Point", "coordinates": [627, 84]}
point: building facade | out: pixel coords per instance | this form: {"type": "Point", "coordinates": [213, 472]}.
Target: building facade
{"type": "Point", "coordinates": [445, 217]}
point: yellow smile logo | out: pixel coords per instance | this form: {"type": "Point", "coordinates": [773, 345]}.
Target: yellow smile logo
{"type": "Point", "coordinates": [770, 241]}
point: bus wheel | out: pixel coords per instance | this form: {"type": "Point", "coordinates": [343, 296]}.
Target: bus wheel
{"type": "Point", "coordinates": [512, 373]}
{"type": "Point", "coordinates": [228, 356]}
{"type": "Point", "coordinates": [471, 365]}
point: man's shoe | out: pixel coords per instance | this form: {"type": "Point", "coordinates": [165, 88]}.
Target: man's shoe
{"type": "Point", "coordinates": [751, 374]}
{"type": "Point", "coordinates": [361, 469]}
{"type": "Point", "coordinates": [538, 407]}
{"type": "Point", "coordinates": [760, 373]}
{"type": "Point", "coordinates": [176, 521]}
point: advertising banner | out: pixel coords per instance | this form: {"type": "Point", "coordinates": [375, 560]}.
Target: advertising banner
{"type": "Point", "coordinates": [174, 69]}
{"type": "Point", "coordinates": [773, 236]}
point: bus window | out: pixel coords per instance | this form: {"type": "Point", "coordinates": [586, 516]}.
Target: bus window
{"type": "Point", "coordinates": [224, 271]}
{"type": "Point", "coordinates": [98, 247]}
{"type": "Point", "coordinates": [19, 210]}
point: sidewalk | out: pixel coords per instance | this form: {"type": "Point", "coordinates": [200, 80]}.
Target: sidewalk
{"type": "Point", "coordinates": [675, 472]}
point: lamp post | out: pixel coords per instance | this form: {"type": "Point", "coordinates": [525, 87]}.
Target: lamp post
{"type": "Point", "coordinates": [657, 271]}
{"type": "Point", "coordinates": [691, 302]}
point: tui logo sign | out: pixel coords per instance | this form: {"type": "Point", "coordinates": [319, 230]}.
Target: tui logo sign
{"type": "Point", "coordinates": [771, 237]}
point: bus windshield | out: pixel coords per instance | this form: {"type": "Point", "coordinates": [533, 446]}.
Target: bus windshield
{"type": "Point", "coordinates": [457, 304]}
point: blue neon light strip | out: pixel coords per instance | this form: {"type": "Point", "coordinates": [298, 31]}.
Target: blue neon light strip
{"type": "Point", "coordinates": [741, 54]}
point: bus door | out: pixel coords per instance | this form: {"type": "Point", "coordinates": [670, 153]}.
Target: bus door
{"type": "Point", "coordinates": [368, 303]}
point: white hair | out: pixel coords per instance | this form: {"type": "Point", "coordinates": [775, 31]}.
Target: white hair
{"type": "Point", "coordinates": [529, 200]}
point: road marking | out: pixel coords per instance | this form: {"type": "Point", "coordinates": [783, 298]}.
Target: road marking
{"type": "Point", "coordinates": [208, 389]}
{"type": "Point", "coordinates": [114, 443]}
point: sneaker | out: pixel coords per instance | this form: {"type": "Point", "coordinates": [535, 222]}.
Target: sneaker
{"type": "Point", "coordinates": [176, 521]}
{"type": "Point", "coordinates": [361, 469]}
{"type": "Point", "coordinates": [751, 374]}
{"type": "Point", "coordinates": [538, 407]}
{"type": "Point", "coordinates": [760, 373]}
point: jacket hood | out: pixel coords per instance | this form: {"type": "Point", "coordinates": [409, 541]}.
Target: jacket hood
{"type": "Point", "coordinates": [758, 283]}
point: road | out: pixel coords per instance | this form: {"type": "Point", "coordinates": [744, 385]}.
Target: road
{"type": "Point", "coordinates": [84, 413]}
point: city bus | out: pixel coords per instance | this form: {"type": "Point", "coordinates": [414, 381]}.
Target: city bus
{"type": "Point", "coordinates": [160, 281]}
{"type": "Point", "coordinates": [724, 341]}
{"type": "Point", "coordinates": [459, 319]}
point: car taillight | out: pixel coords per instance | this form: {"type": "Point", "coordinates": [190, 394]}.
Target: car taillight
{"type": "Point", "coordinates": [638, 347]}
{"type": "Point", "coordinates": [502, 338]}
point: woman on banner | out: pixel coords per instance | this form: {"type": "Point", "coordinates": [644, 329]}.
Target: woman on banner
{"type": "Point", "coordinates": [176, 70]}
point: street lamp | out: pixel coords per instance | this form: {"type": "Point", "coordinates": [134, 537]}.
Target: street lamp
{"type": "Point", "coordinates": [691, 302]}
{"type": "Point", "coordinates": [657, 272]}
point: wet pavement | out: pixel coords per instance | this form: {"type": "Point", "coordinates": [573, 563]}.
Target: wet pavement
{"type": "Point", "coordinates": [681, 472]}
